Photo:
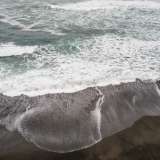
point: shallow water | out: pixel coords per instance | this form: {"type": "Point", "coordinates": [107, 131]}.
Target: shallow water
{"type": "Point", "coordinates": [67, 122]}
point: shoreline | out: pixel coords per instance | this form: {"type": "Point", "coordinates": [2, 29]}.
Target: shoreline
{"type": "Point", "coordinates": [89, 121]}
{"type": "Point", "coordinates": [75, 88]}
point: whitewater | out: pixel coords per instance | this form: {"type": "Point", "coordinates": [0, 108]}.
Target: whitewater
{"type": "Point", "coordinates": [66, 46]}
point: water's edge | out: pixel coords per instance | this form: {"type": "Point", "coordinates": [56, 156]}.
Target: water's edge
{"type": "Point", "coordinates": [67, 122]}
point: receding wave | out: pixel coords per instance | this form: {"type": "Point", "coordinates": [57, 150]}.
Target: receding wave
{"type": "Point", "coordinates": [65, 122]}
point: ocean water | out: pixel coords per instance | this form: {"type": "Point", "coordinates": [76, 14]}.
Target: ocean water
{"type": "Point", "coordinates": [67, 45]}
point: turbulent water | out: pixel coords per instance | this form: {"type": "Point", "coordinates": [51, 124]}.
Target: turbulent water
{"type": "Point", "coordinates": [67, 45]}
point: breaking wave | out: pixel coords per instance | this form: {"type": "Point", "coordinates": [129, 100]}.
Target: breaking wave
{"type": "Point", "coordinates": [103, 4]}
{"type": "Point", "coordinates": [11, 50]}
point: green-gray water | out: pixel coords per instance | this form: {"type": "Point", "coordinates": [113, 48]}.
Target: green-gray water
{"type": "Point", "coordinates": [60, 45]}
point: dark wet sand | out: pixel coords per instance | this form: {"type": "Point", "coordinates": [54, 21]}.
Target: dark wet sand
{"type": "Point", "coordinates": [139, 142]}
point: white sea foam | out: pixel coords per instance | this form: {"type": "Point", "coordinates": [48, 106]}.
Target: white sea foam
{"type": "Point", "coordinates": [65, 88]}
{"type": "Point", "coordinates": [13, 22]}
{"type": "Point", "coordinates": [103, 4]}
{"type": "Point", "coordinates": [10, 49]}
{"type": "Point", "coordinates": [157, 89]}
{"type": "Point", "coordinates": [99, 61]}
{"type": "Point", "coordinates": [97, 112]}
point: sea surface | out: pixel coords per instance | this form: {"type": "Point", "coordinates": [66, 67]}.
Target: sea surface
{"type": "Point", "coordinates": [66, 45]}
